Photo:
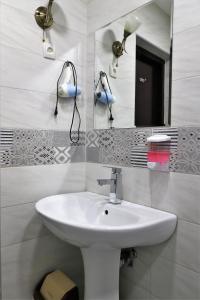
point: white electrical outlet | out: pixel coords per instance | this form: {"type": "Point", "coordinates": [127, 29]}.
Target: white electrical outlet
{"type": "Point", "coordinates": [49, 50]}
{"type": "Point", "coordinates": [113, 71]}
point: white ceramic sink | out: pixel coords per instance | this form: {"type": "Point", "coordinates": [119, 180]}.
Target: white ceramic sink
{"type": "Point", "coordinates": [101, 229]}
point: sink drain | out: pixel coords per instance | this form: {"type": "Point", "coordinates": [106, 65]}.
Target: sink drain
{"type": "Point", "coordinates": [106, 212]}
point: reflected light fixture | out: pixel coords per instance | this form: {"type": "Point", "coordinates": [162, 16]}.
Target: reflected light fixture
{"type": "Point", "coordinates": [131, 25]}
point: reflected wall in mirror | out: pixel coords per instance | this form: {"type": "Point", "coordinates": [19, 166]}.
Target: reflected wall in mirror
{"type": "Point", "coordinates": [133, 69]}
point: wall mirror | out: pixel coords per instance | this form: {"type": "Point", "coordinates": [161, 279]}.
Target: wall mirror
{"type": "Point", "coordinates": [133, 69]}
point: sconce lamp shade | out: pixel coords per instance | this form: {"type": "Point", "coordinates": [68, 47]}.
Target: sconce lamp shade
{"type": "Point", "coordinates": [131, 25]}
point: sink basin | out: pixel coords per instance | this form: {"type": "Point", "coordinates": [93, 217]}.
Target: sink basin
{"type": "Point", "coordinates": [87, 219]}
{"type": "Point", "coordinates": [101, 229]}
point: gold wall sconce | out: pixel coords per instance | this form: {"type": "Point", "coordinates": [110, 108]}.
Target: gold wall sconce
{"type": "Point", "coordinates": [43, 16]}
{"type": "Point", "coordinates": [118, 48]}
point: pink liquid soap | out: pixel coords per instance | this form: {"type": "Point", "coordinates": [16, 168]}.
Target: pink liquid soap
{"type": "Point", "coordinates": [161, 157]}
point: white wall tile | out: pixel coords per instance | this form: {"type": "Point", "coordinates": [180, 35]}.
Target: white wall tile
{"type": "Point", "coordinates": [17, 24]}
{"type": "Point", "coordinates": [138, 274]}
{"type": "Point", "coordinates": [24, 67]}
{"type": "Point", "coordinates": [94, 172]}
{"type": "Point", "coordinates": [20, 223]}
{"type": "Point", "coordinates": [136, 186]}
{"type": "Point", "coordinates": [29, 184]}
{"type": "Point", "coordinates": [177, 193]}
{"type": "Point", "coordinates": [186, 14]}
{"type": "Point", "coordinates": [30, 109]}
{"type": "Point", "coordinates": [185, 102]}
{"type": "Point", "coordinates": [23, 265]}
{"type": "Point", "coordinates": [70, 14]}
{"type": "Point", "coordinates": [129, 291]}
{"type": "Point", "coordinates": [182, 248]}
{"type": "Point", "coordinates": [24, 70]}
{"type": "Point", "coordinates": [186, 59]}
{"type": "Point", "coordinates": [171, 281]}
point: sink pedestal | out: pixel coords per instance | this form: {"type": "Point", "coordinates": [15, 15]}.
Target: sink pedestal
{"type": "Point", "coordinates": [101, 267]}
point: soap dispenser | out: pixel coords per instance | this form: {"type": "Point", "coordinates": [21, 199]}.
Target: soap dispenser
{"type": "Point", "coordinates": [158, 155]}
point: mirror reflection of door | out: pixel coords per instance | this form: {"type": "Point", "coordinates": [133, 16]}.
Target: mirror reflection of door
{"type": "Point", "coordinates": [141, 78]}
{"type": "Point", "coordinates": [149, 98]}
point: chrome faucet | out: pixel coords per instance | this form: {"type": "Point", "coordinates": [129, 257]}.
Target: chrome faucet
{"type": "Point", "coordinates": [115, 184]}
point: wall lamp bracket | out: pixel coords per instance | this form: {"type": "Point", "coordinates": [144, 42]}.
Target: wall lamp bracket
{"type": "Point", "coordinates": [118, 49]}
{"type": "Point", "coordinates": [44, 17]}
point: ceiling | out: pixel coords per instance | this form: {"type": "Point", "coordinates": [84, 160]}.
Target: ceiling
{"type": "Point", "coordinates": [165, 5]}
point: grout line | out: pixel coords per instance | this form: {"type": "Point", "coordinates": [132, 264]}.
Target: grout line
{"type": "Point", "coordinates": [81, 66]}
{"type": "Point", "coordinates": [20, 204]}
{"type": "Point", "coordinates": [186, 30]}
{"type": "Point", "coordinates": [27, 240]}
{"type": "Point", "coordinates": [186, 78]}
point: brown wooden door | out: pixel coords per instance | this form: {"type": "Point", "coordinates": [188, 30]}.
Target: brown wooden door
{"type": "Point", "coordinates": [149, 98]}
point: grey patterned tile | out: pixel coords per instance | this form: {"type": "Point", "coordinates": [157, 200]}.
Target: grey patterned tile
{"type": "Point", "coordinates": [189, 138]}
{"type": "Point", "coordinates": [77, 153]}
{"type": "Point", "coordinates": [138, 157]}
{"type": "Point", "coordinates": [43, 155]}
{"type": "Point", "coordinates": [188, 157]}
{"type": "Point", "coordinates": [61, 138]}
{"type": "Point", "coordinates": [81, 141]}
{"type": "Point", "coordinates": [140, 137]}
{"type": "Point", "coordinates": [25, 147]}
{"type": "Point", "coordinates": [115, 146]}
{"type": "Point", "coordinates": [92, 139]}
{"type": "Point", "coordinates": [114, 158]}
{"type": "Point", "coordinates": [6, 138]}
{"type": "Point", "coordinates": [106, 139]}
{"type": "Point", "coordinates": [107, 157]}
{"type": "Point", "coordinates": [138, 153]}
{"type": "Point", "coordinates": [93, 154]}
{"type": "Point", "coordinates": [6, 157]}
{"type": "Point", "coordinates": [62, 155]}
{"type": "Point", "coordinates": [23, 157]}
{"type": "Point", "coordinates": [124, 138]}
{"type": "Point", "coordinates": [6, 147]}
{"type": "Point", "coordinates": [32, 138]}
{"type": "Point", "coordinates": [32, 147]}
{"type": "Point", "coordinates": [112, 147]}
{"type": "Point", "coordinates": [173, 160]}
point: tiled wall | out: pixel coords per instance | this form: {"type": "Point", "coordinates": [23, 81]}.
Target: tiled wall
{"type": "Point", "coordinates": [186, 64]}
{"type": "Point", "coordinates": [169, 271]}
{"type": "Point", "coordinates": [35, 152]}
{"type": "Point", "coordinates": [129, 147]}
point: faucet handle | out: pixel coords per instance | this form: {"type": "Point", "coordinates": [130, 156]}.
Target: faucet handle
{"type": "Point", "coordinates": [114, 170]}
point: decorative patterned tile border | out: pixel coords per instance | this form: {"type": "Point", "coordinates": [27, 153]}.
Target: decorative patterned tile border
{"type": "Point", "coordinates": [128, 147]}
{"type": "Point", "coordinates": [21, 147]}
{"type": "Point", "coordinates": [123, 147]}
